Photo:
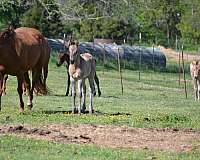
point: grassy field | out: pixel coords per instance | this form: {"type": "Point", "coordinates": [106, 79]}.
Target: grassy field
{"type": "Point", "coordinates": [156, 101]}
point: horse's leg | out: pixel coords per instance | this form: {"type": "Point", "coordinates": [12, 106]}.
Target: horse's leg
{"type": "Point", "coordinates": [27, 85]}
{"type": "Point", "coordinates": [96, 79]}
{"type": "Point", "coordinates": [83, 96]}
{"type": "Point", "coordinates": [91, 91]}
{"type": "Point", "coordinates": [1, 87]}
{"type": "Point", "coordinates": [5, 77]}
{"type": "Point", "coordinates": [80, 95]}
{"type": "Point", "coordinates": [68, 84]}
{"type": "Point", "coordinates": [45, 72]}
{"type": "Point", "coordinates": [20, 91]}
{"type": "Point", "coordinates": [73, 82]}
{"type": "Point", "coordinates": [34, 77]}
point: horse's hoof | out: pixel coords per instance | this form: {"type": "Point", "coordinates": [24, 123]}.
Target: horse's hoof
{"type": "Point", "coordinates": [3, 94]}
{"type": "Point", "coordinates": [99, 94]}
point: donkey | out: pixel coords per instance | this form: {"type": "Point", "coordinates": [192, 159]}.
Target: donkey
{"type": "Point", "coordinates": [81, 67]}
{"type": "Point", "coordinates": [195, 74]}
{"type": "Point", "coordinates": [63, 56]}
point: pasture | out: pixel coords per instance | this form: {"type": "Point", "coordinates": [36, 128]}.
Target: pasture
{"type": "Point", "coordinates": [157, 101]}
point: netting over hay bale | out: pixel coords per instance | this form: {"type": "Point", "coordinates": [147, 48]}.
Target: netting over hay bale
{"type": "Point", "coordinates": [129, 53]}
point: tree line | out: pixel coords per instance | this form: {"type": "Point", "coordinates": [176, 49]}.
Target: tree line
{"type": "Point", "coordinates": [163, 22]}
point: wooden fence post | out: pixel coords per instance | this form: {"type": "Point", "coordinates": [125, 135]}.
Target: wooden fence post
{"type": "Point", "coordinates": [179, 66]}
{"type": "Point", "coordinates": [119, 67]}
{"type": "Point", "coordinates": [183, 67]}
{"type": "Point", "coordinates": [140, 58]}
{"type": "Point", "coordinates": [64, 42]}
{"type": "Point", "coordinates": [104, 57]}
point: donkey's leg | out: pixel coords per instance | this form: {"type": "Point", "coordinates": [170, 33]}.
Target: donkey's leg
{"type": "Point", "coordinates": [80, 95]}
{"type": "Point", "coordinates": [27, 85]}
{"type": "Point", "coordinates": [195, 89]}
{"type": "Point", "coordinates": [91, 92]}
{"type": "Point", "coordinates": [5, 77]}
{"type": "Point", "coordinates": [97, 83]}
{"type": "Point", "coordinates": [20, 91]}
{"type": "Point", "coordinates": [84, 96]}
{"type": "Point", "coordinates": [1, 87]}
{"type": "Point", "coordinates": [73, 82]}
{"type": "Point", "coordinates": [198, 90]}
{"type": "Point", "coordinates": [68, 84]}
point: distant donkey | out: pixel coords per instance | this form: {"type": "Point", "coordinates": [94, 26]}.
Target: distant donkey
{"type": "Point", "coordinates": [195, 74]}
{"type": "Point", "coordinates": [81, 67]}
{"type": "Point", "coordinates": [63, 56]}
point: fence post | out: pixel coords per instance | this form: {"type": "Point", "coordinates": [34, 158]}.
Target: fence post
{"type": "Point", "coordinates": [104, 57]}
{"type": "Point", "coordinates": [183, 67]}
{"type": "Point", "coordinates": [119, 66]}
{"type": "Point", "coordinates": [64, 42]}
{"type": "Point", "coordinates": [140, 58]}
{"type": "Point", "coordinates": [179, 66]}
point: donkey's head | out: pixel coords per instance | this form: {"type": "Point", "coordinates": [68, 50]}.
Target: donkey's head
{"type": "Point", "coordinates": [62, 56]}
{"type": "Point", "coordinates": [195, 68]}
{"type": "Point", "coordinates": [73, 51]}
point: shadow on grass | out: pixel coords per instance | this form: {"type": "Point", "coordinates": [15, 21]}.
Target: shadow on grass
{"type": "Point", "coordinates": [96, 113]}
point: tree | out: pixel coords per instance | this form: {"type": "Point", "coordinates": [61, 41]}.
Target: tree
{"type": "Point", "coordinates": [12, 10]}
{"type": "Point", "coordinates": [47, 22]}
{"type": "Point", "coordinates": [190, 22]}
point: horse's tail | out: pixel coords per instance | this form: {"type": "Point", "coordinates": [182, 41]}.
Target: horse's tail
{"type": "Point", "coordinates": [40, 86]}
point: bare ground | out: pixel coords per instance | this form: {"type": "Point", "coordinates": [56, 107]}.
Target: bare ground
{"type": "Point", "coordinates": [173, 55]}
{"type": "Point", "coordinates": [178, 140]}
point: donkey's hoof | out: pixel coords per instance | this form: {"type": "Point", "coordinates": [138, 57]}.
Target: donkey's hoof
{"type": "Point", "coordinates": [74, 110]}
{"type": "Point", "coordinates": [21, 110]}
{"type": "Point", "coordinates": [30, 106]}
{"type": "Point", "coordinates": [91, 111]}
{"type": "Point", "coordinates": [99, 94]}
{"type": "Point", "coordinates": [83, 109]}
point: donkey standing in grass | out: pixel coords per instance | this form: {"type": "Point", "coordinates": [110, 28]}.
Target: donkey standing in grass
{"type": "Point", "coordinates": [195, 74]}
{"type": "Point", "coordinates": [81, 66]}
{"type": "Point", "coordinates": [63, 56]}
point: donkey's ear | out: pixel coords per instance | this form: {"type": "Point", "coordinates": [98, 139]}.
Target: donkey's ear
{"type": "Point", "coordinates": [76, 43]}
{"type": "Point", "coordinates": [195, 62]}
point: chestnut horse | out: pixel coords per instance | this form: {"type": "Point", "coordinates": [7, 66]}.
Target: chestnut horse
{"type": "Point", "coordinates": [4, 86]}
{"type": "Point", "coordinates": [22, 50]}
{"type": "Point", "coordinates": [63, 56]}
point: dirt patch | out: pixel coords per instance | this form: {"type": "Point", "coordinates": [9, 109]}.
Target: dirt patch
{"type": "Point", "coordinates": [173, 55]}
{"type": "Point", "coordinates": [111, 136]}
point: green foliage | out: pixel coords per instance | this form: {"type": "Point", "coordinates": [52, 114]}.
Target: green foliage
{"type": "Point", "coordinates": [11, 11]}
{"type": "Point", "coordinates": [47, 22]}
{"type": "Point", "coordinates": [162, 21]}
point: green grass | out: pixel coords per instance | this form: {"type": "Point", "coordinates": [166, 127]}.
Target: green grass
{"type": "Point", "coordinates": [13, 148]}
{"type": "Point", "coordinates": [156, 100]}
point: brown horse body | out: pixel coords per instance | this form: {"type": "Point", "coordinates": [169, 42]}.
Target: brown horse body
{"type": "Point", "coordinates": [22, 50]}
